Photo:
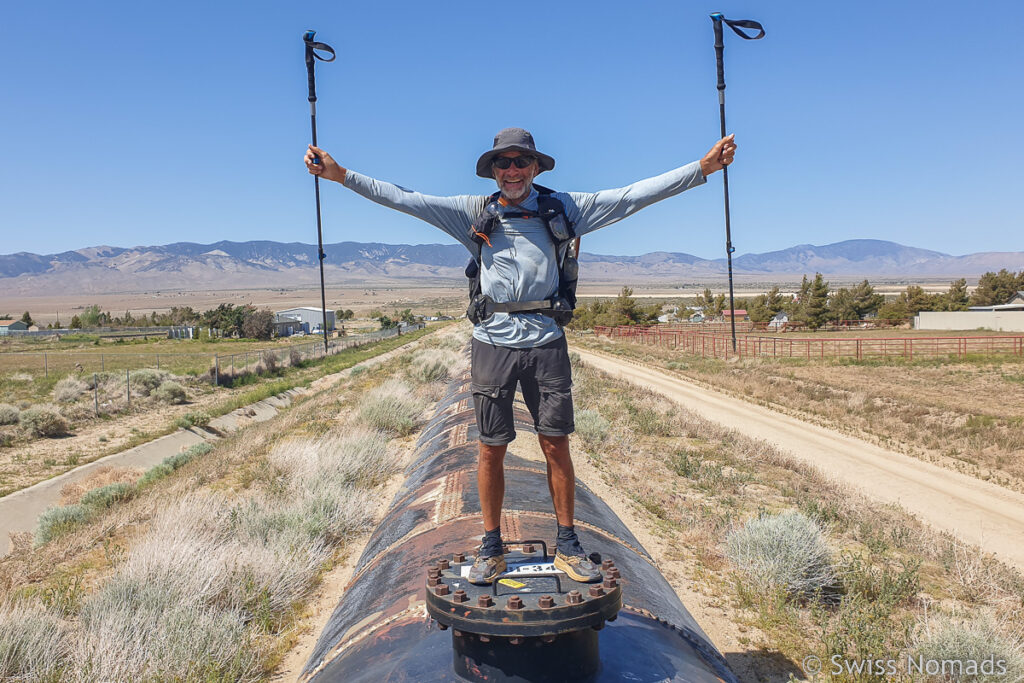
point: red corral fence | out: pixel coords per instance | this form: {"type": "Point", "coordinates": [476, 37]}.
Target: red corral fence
{"type": "Point", "coordinates": [717, 343]}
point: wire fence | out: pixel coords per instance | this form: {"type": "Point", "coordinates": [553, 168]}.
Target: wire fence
{"type": "Point", "coordinates": [717, 344]}
{"type": "Point", "coordinates": [221, 367]}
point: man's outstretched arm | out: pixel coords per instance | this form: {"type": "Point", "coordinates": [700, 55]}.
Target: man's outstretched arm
{"type": "Point", "coordinates": [453, 215]}
{"type": "Point", "coordinates": [599, 209]}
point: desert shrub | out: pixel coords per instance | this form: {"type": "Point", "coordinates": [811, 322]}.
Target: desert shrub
{"type": "Point", "coordinates": [179, 460]}
{"type": "Point", "coordinates": [782, 553]}
{"type": "Point", "coordinates": [155, 473]}
{"type": "Point", "coordinates": [193, 419]}
{"type": "Point", "coordinates": [43, 421]}
{"type": "Point", "coordinates": [392, 407]}
{"type": "Point", "coordinates": [6, 438]}
{"type": "Point", "coordinates": [8, 414]}
{"type": "Point", "coordinates": [295, 358]}
{"type": "Point", "coordinates": [591, 427]}
{"type": "Point", "coordinates": [268, 363]}
{"type": "Point", "coordinates": [106, 496]}
{"type": "Point", "coordinates": [435, 365]}
{"type": "Point", "coordinates": [357, 370]}
{"type": "Point", "coordinates": [134, 631]}
{"type": "Point", "coordinates": [145, 381]}
{"type": "Point", "coordinates": [33, 643]}
{"type": "Point", "coordinates": [950, 644]}
{"type": "Point", "coordinates": [174, 462]}
{"type": "Point", "coordinates": [170, 392]}
{"type": "Point", "coordinates": [68, 389]}
{"type": "Point", "coordinates": [56, 521]}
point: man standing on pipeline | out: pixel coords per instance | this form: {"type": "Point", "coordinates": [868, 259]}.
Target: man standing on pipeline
{"type": "Point", "coordinates": [524, 292]}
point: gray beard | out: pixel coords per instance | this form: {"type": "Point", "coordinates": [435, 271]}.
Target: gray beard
{"type": "Point", "coordinates": [524, 195]}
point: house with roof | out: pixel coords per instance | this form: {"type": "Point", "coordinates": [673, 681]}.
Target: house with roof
{"type": "Point", "coordinates": [738, 314]}
{"type": "Point", "coordinates": [304, 318]}
{"type": "Point", "coordinates": [11, 325]}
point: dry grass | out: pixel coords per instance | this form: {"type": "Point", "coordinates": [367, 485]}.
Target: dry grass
{"type": "Point", "coordinates": [696, 482]}
{"type": "Point", "coordinates": [202, 574]}
{"type": "Point", "coordinates": [101, 476]}
{"type": "Point", "coordinates": [967, 415]}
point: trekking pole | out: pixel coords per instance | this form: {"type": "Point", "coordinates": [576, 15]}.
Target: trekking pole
{"type": "Point", "coordinates": [717, 19]}
{"type": "Point", "coordinates": [311, 53]}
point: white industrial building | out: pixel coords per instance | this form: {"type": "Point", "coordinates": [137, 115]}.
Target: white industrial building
{"type": "Point", "coordinates": [304, 318]}
{"type": "Point", "coordinates": [1008, 317]}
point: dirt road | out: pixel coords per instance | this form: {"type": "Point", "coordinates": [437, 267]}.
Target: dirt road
{"type": "Point", "coordinates": [976, 511]}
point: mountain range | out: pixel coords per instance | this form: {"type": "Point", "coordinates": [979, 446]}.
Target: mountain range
{"type": "Point", "coordinates": [262, 264]}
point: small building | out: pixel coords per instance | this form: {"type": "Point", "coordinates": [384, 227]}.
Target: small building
{"type": "Point", "coordinates": [779, 321]}
{"type": "Point", "coordinates": [305, 318]}
{"type": "Point", "coordinates": [1008, 317]}
{"type": "Point", "coordinates": [11, 325]}
{"type": "Point", "coordinates": [738, 314]}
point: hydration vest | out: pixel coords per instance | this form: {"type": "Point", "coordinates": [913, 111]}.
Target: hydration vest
{"type": "Point", "coordinates": [551, 211]}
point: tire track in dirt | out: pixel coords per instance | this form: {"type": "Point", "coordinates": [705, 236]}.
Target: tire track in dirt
{"type": "Point", "coordinates": [978, 512]}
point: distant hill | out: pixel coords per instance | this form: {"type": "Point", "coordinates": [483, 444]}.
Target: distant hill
{"type": "Point", "coordinates": [232, 265]}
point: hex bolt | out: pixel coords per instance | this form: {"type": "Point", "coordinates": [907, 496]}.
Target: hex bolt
{"type": "Point", "coordinates": [459, 596]}
{"type": "Point", "coordinates": [458, 558]}
{"type": "Point", "coordinates": [607, 564]}
{"type": "Point", "coordinates": [433, 581]}
{"type": "Point", "coordinates": [528, 548]}
{"type": "Point", "coordinates": [596, 591]}
{"type": "Point", "coordinates": [516, 641]}
{"type": "Point", "coordinates": [484, 601]}
{"type": "Point", "coordinates": [441, 589]}
{"type": "Point", "coordinates": [433, 573]}
{"type": "Point", "coordinates": [574, 597]}
{"type": "Point", "coordinates": [443, 564]}
{"type": "Point", "coordinates": [515, 602]}
{"type": "Point", "coordinates": [545, 602]}
{"type": "Point", "coordinates": [610, 584]}
{"type": "Point", "coordinates": [614, 572]}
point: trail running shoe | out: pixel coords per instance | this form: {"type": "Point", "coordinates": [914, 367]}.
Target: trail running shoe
{"type": "Point", "coordinates": [486, 569]}
{"type": "Point", "coordinates": [578, 567]}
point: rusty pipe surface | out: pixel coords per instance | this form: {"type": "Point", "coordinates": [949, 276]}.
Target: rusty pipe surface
{"type": "Point", "coordinates": [380, 630]}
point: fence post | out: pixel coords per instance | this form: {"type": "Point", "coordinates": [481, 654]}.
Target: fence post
{"type": "Point", "coordinates": [103, 364]}
{"type": "Point", "coordinates": [128, 385]}
{"type": "Point", "coordinates": [216, 371]}
{"type": "Point", "coordinates": [158, 361]}
{"type": "Point", "coordinates": [46, 369]}
{"type": "Point", "coordinates": [95, 394]}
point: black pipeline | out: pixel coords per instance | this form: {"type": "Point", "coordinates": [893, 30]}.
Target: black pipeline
{"type": "Point", "coordinates": [735, 24]}
{"type": "Point", "coordinates": [312, 49]}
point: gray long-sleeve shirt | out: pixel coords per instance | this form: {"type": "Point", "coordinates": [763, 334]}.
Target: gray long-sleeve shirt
{"type": "Point", "coordinates": [521, 264]}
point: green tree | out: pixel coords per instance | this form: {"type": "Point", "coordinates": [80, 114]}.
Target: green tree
{"type": "Point", "coordinates": [842, 306]}
{"type": "Point", "coordinates": [997, 288]}
{"type": "Point", "coordinates": [916, 300]}
{"type": "Point", "coordinates": [956, 298]}
{"type": "Point", "coordinates": [865, 301]}
{"type": "Point", "coordinates": [386, 323]}
{"type": "Point", "coordinates": [345, 314]}
{"type": "Point", "coordinates": [258, 324]}
{"type": "Point", "coordinates": [814, 304]}
{"type": "Point", "coordinates": [76, 323]}
{"type": "Point", "coordinates": [27, 319]}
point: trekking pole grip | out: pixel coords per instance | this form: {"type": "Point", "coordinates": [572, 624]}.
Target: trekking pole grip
{"type": "Point", "coordinates": [716, 20]}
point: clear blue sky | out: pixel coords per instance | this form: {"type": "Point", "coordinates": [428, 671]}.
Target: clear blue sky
{"type": "Point", "coordinates": [128, 123]}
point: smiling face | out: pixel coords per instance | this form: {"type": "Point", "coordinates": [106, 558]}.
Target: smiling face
{"type": "Point", "coordinates": [514, 182]}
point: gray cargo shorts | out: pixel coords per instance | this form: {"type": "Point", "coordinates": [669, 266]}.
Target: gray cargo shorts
{"type": "Point", "coordinates": [544, 375]}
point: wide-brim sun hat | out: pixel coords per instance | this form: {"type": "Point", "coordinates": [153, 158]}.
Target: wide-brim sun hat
{"type": "Point", "coordinates": [512, 140]}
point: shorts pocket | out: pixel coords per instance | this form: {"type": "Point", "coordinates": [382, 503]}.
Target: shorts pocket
{"type": "Point", "coordinates": [488, 390]}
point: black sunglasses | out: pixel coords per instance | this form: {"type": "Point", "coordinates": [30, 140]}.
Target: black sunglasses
{"type": "Point", "coordinates": [505, 162]}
